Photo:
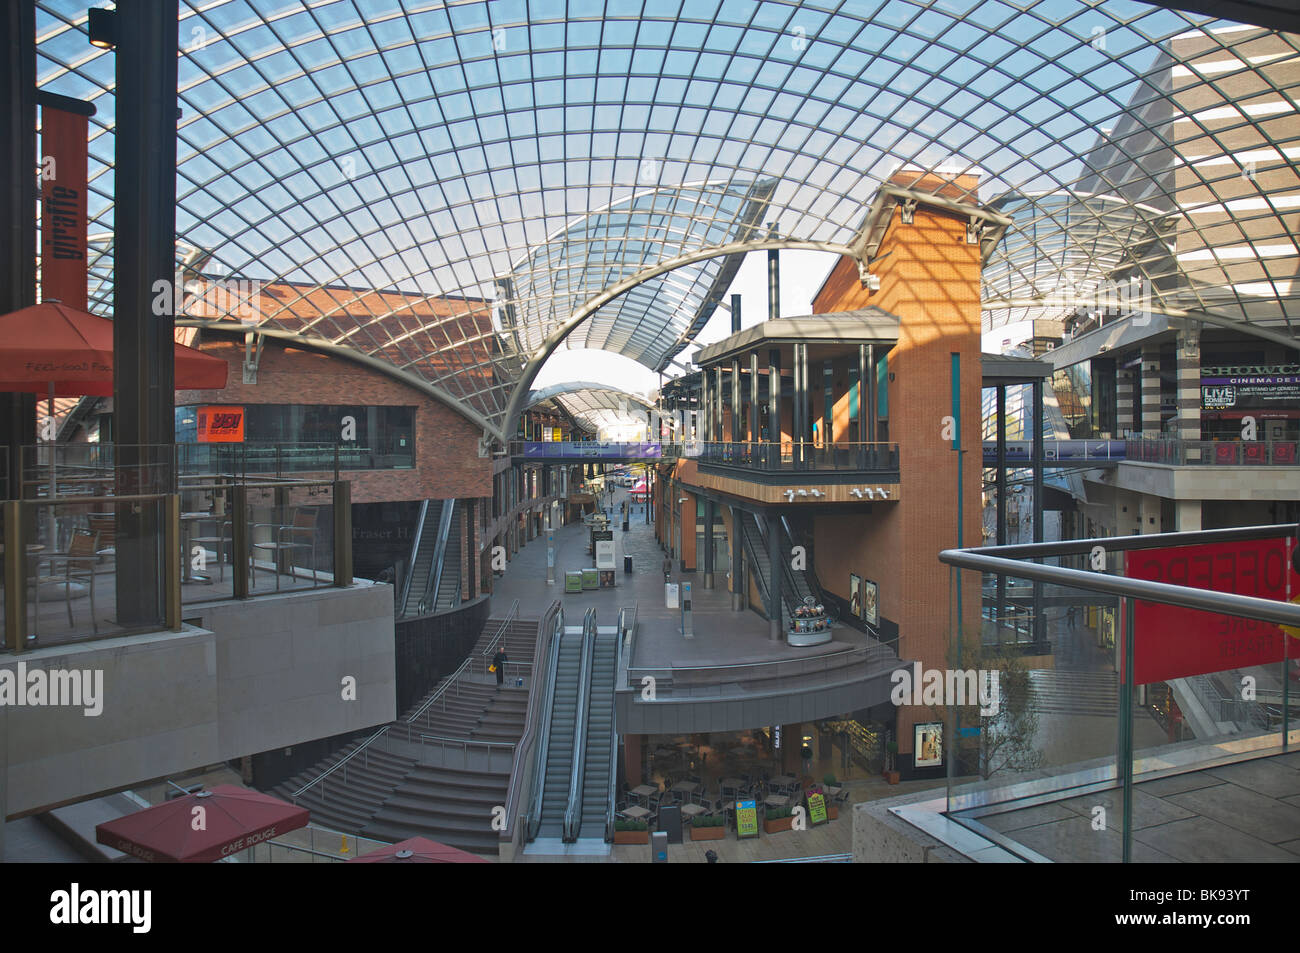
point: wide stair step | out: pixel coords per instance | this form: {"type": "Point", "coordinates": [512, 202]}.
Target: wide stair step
{"type": "Point", "coordinates": [391, 797]}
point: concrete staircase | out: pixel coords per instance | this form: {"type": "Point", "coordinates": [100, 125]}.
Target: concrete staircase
{"type": "Point", "coordinates": [396, 789]}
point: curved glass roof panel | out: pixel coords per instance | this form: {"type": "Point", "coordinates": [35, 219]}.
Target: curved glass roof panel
{"type": "Point", "coordinates": [447, 185]}
{"type": "Point", "coordinates": [596, 406]}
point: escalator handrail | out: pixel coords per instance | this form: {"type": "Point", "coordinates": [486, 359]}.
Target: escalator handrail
{"type": "Point", "coordinates": [415, 552]}
{"type": "Point", "coordinates": [544, 738]}
{"type": "Point", "coordinates": [536, 702]}
{"type": "Point", "coordinates": [430, 600]}
{"type": "Point", "coordinates": [755, 548]}
{"type": "Point", "coordinates": [573, 808]}
{"type": "Point", "coordinates": [611, 789]}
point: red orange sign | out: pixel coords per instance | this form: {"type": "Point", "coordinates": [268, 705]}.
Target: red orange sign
{"type": "Point", "coordinates": [220, 424]}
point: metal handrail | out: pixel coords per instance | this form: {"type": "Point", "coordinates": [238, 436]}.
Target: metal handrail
{"type": "Point", "coordinates": [415, 549]}
{"type": "Point", "coordinates": [863, 650]}
{"type": "Point", "coordinates": [801, 455]}
{"type": "Point", "coordinates": [544, 742]}
{"type": "Point", "coordinates": [511, 615]}
{"type": "Point", "coordinates": [430, 601]}
{"type": "Point", "coordinates": [611, 792]}
{"type": "Point", "coordinates": [452, 680]}
{"type": "Point", "coordinates": [342, 761]}
{"type": "Point", "coordinates": [514, 791]}
{"type": "Point", "coordinates": [573, 809]}
{"type": "Point", "coordinates": [1249, 607]}
{"type": "Point", "coordinates": [465, 744]}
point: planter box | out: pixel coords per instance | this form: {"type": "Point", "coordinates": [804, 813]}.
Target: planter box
{"type": "Point", "coordinates": [780, 824]}
{"type": "Point", "coordinates": [832, 812]}
{"type": "Point", "coordinates": [631, 837]}
{"type": "Point", "coordinates": [891, 777]}
{"type": "Point", "coordinates": [708, 833]}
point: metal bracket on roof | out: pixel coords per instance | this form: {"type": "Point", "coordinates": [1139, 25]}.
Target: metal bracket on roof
{"type": "Point", "coordinates": [869, 281]}
{"type": "Point", "coordinates": [974, 230]}
{"type": "Point", "coordinates": [253, 342]}
{"type": "Point", "coordinates": [906, 211]}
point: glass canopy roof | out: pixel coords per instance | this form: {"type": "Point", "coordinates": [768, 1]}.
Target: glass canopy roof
{"type": "Point", "coordinates": [596, 406]}
{"type": "Point", "coordinates": [544, 159]}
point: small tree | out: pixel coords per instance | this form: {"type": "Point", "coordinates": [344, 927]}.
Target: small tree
{"type": "Point", "coordinates": [1006, 739]}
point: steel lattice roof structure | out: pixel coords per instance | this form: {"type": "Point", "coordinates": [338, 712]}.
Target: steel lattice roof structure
{"type": "Point", "coordinates": [596, 168]}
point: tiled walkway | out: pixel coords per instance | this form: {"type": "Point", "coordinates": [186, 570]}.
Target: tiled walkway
{"type": "Point", "coordinates": [1247, 812]}
{"type": "Point", "coordinates": [720, 633]}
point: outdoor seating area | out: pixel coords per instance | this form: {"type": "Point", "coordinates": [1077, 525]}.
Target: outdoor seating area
{"type": "Point", "coordinates": [709, 782]}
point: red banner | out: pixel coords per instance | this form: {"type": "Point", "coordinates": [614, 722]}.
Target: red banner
{"type": "Point", "coordinates": [1173, 642]}
{"type": "Point", "coordinates": [63, 207]}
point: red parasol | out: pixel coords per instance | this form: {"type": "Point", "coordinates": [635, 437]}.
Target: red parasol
{"type": "Point", "coordinates": [231, 819]}
{"type": "Point", "coordinates": [418, 850]}
{"type": "Point", "coordinates": [52, 344]}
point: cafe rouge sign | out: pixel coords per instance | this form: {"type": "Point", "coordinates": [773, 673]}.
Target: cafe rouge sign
{"type": "Point", "coordinates": [220, 424]}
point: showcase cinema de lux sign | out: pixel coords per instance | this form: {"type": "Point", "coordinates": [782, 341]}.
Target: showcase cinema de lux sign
{"type": "Point", "coordinates": [1249, 386]}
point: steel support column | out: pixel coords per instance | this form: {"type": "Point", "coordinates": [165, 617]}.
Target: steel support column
{"type": "Point", "coordinates": [861, 409]}
{"type": "Point", "coordinates": [774, 407]}
{"type": "Point", "coordinates": [709, 510]}
{"type": "Point", "coordinates": [872, 412]}
{"type": "Point", "coordinates": [735, 401]}
{"type": "Point", "coordinates": [144, 243]}
{"type": "Point", "coordinates": [736, 547]}
{"type": "Point", "coordinates": [1000, 479]}
{"type": "Point", "coordinates": [720, 436]}
{"type": "Point", "coordinates": [18, 198]}
{"type": "Point", "coordinates": [753, 398]}
{"type": "Point", "coordinates": [1040, 623]}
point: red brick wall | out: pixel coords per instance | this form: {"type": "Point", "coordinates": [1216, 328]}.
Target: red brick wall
{"type": "Point", "coordinates": [447, 464]}
{"type": "Point", "coordinates": [929, 277]}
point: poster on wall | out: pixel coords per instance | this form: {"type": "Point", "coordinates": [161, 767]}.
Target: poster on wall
{"type": "Point", "coordinates": [870, 603]}
{"type": "Point", "coordinates": [855, 595]}
{"type": "Point", "coordinates": [927, 741]}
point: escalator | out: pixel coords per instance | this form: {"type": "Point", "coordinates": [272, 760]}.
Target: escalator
{"type": "Point", "coordinates": [433, 582]}
{"type": "Point", "coordinates": [598, 764]}
{"type": "Point", "coordinates": [422, 556]}
{"type": "Point", "coordinates": [796, 584]}
{"type": "Point", "coordinates": [577, 752]}
{"type": "Point", "coordinates": [448, 595]}
{"type": "Point", "coordinates": [557, 745]}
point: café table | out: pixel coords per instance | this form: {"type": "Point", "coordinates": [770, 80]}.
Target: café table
{"type": "Point", "coordinates": [636, 812]}
{"type": "Point", "coordinates": [644, 792]}
{"type": "Point", "coordinates": [692, 809]}
{"type": "Point", "coordinates": [776, 800]}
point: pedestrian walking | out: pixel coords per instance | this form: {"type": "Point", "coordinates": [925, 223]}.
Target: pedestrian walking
{"type": "Point", "coordinates": [668, 568]}
{"type": "Point", "coordinates": [499, 664]}
{"type": "Point", "coordinates": [1069, 617]}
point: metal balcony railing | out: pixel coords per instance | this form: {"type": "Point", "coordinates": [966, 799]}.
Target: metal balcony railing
{"type": "Point", "coordinates": [870, 458]}
{"type": "Point", "coordinates": [207, 539]}
{"type": "Point", "coordinates": [1209, 453]}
